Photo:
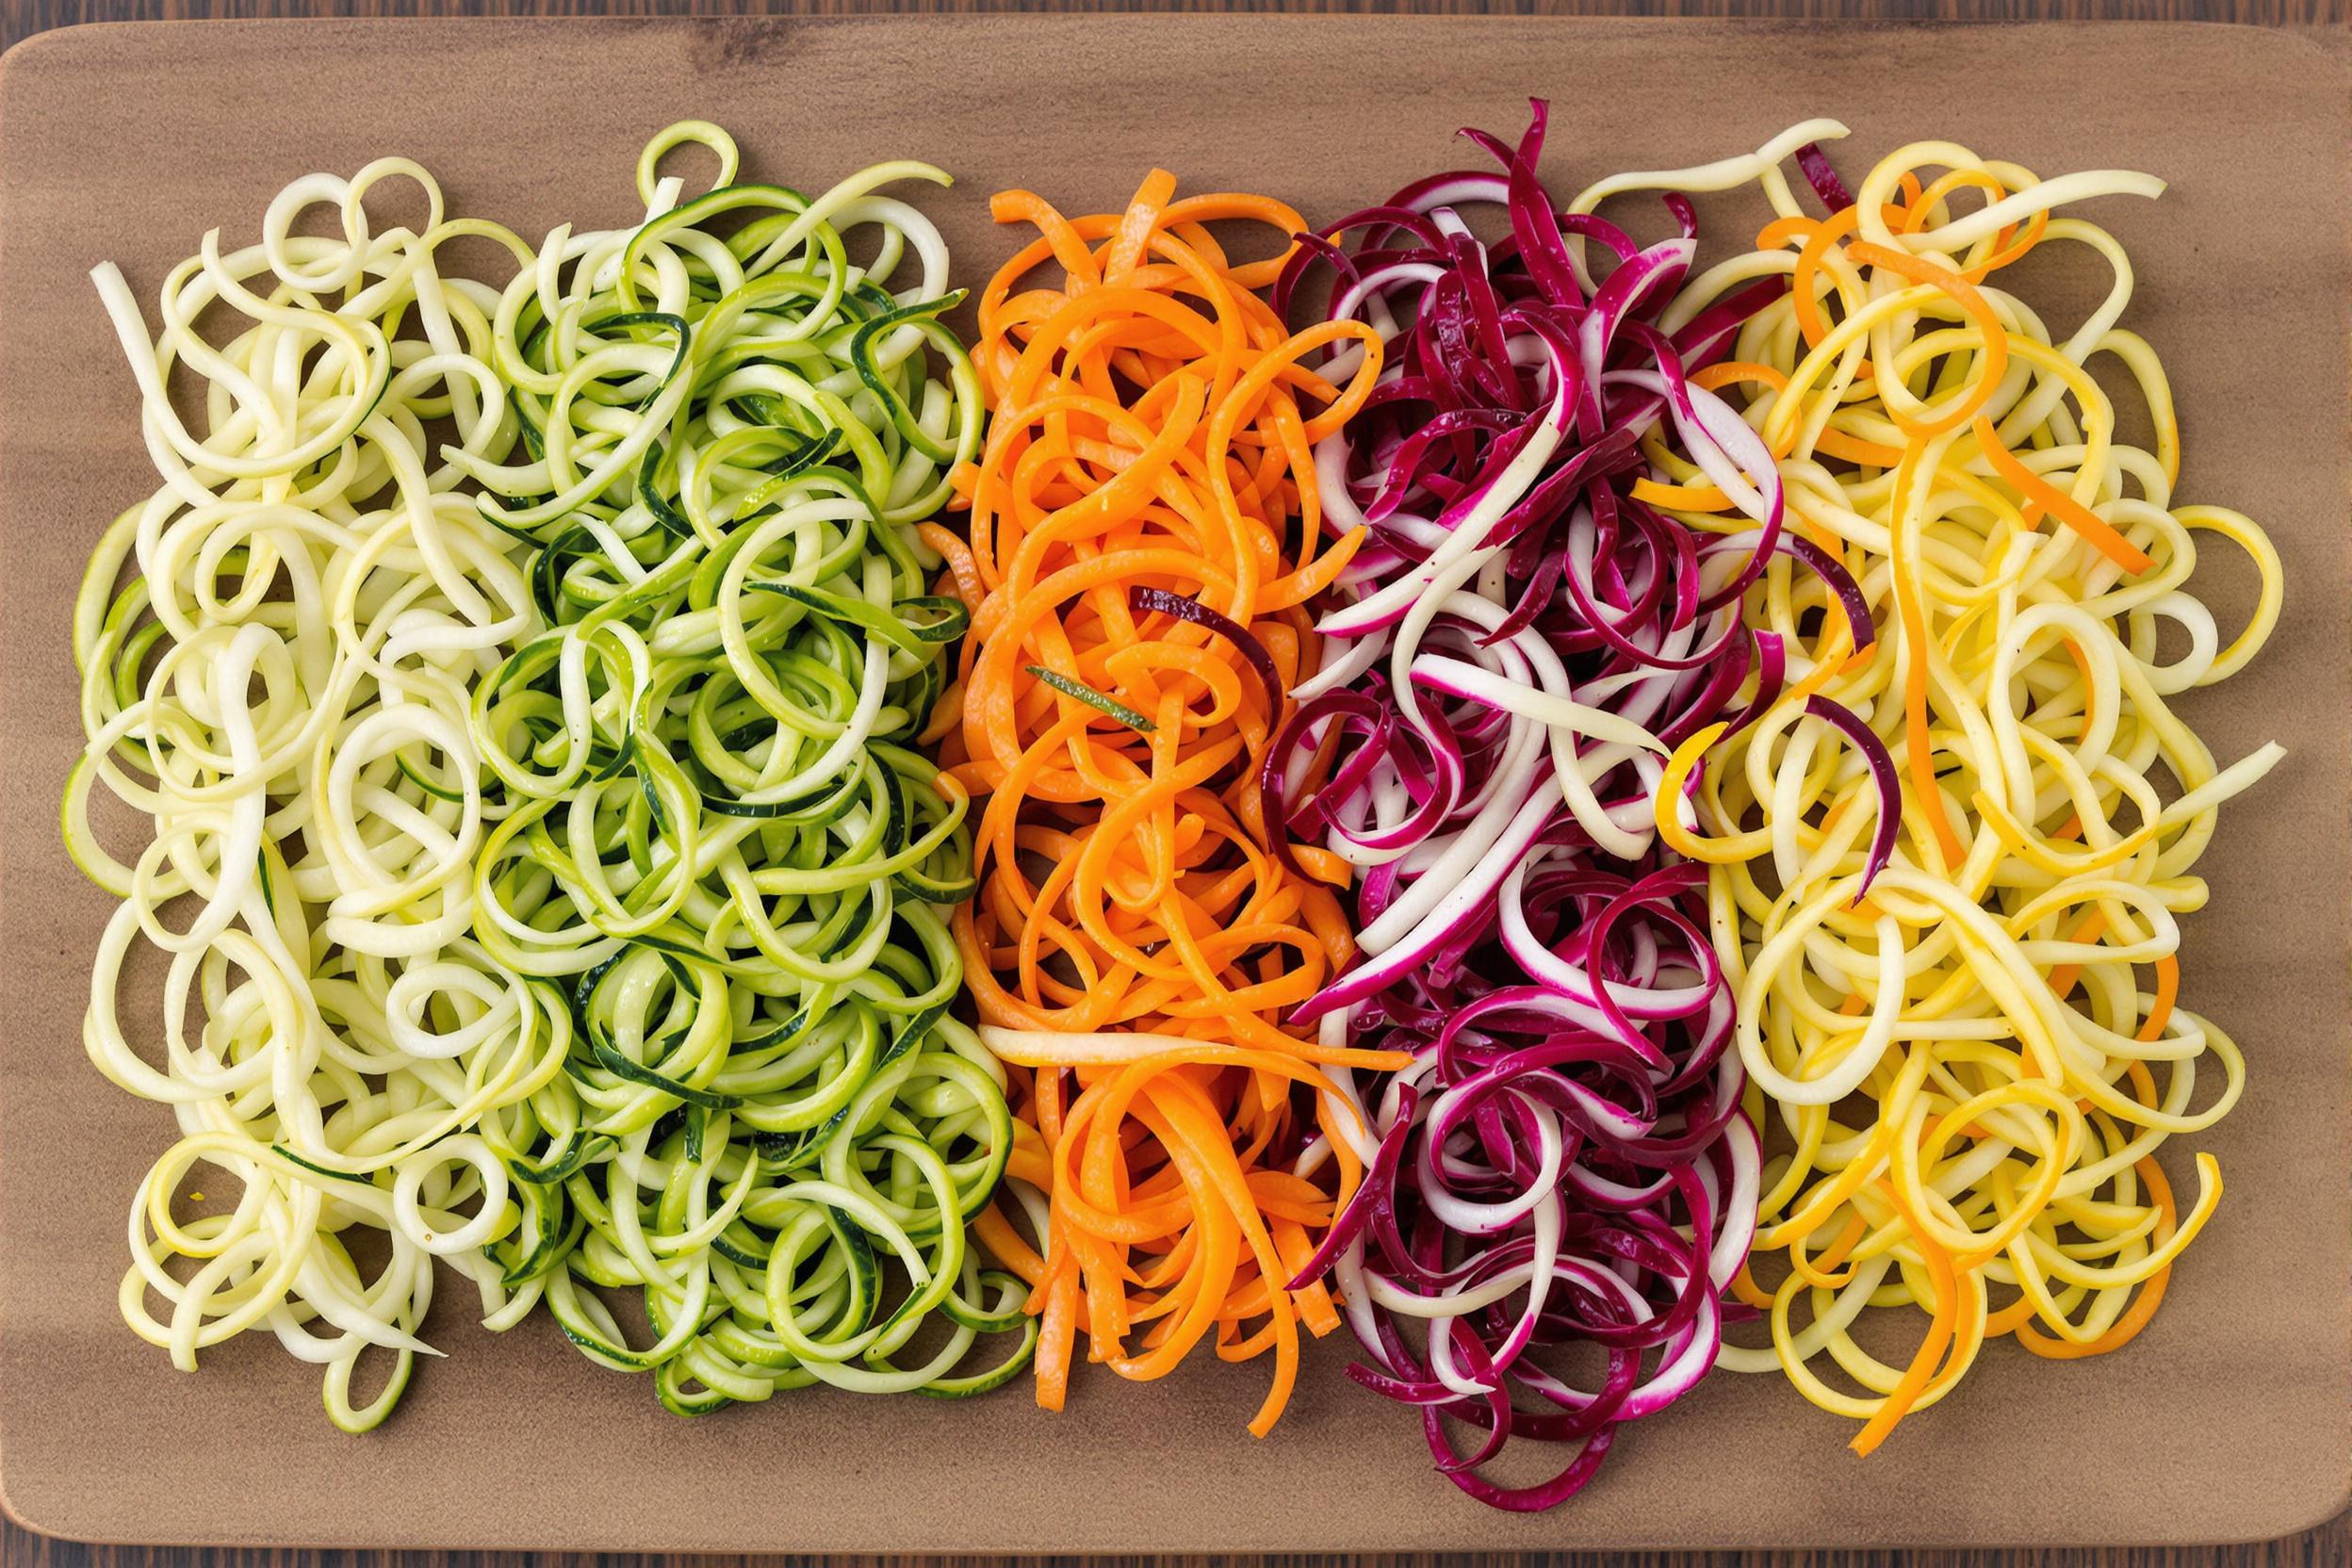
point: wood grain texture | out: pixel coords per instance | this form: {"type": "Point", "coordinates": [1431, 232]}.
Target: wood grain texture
{"type": "Point", "coordinates": [22, 18]}
{"type": "Point", "coordinates": [2328, 1547]}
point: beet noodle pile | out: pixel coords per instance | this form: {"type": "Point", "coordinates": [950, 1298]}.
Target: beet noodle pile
{"type": "Point", "coordinates": [1521, 645]}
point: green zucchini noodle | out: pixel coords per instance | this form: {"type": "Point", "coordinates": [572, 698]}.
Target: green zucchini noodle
{"type": "Point", "coordinates": [282, 688]}
{"type": "Point", "coordinates": [714, 833]}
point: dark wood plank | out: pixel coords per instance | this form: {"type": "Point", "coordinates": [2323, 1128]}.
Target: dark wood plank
{"type": "Point", "coordinates": [2330, 1547]}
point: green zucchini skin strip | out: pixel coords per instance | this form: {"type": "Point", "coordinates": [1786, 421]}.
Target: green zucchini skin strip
{"type": "Point", "coordinates": [1094, 699]}
{"type": "Point", "coordinates": [715, 839]}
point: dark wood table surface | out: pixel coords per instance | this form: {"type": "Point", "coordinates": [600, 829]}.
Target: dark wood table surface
{"type": "Point", "coordinates": [2330, 1547]}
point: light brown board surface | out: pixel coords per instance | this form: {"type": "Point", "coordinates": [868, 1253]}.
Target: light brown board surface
{"type": "Point", "coordinates": [2228, 1419]}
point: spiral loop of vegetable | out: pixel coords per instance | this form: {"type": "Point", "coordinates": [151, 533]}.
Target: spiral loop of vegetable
{"type": "Point", "coordinates": [282, 690]}
{"type": "Point", "coordinates": [717, 840]}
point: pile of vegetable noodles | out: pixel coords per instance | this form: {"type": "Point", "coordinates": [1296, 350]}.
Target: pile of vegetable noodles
{"type": "Point", "coordinates": [1564, 1161]}
{"type": "Point", "coordinates": [716, 837]}
{"type": "Point", "coordinates": [1947, 885]}
{"type": "Point", "coordinates": [1136, 618]}
{"type": "Point", "coordinates": [281, 689]}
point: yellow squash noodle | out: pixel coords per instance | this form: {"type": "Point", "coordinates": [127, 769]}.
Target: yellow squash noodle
{"type": "Point", "coordinates": [1968, 1066]}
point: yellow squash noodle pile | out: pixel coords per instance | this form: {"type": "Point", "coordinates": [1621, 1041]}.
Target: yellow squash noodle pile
{"type": "Point", "coordinates": [1972, 1063]}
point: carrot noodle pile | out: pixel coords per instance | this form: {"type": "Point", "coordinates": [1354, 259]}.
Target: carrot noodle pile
{"type": "Point", "coordinates": [1135, 940]}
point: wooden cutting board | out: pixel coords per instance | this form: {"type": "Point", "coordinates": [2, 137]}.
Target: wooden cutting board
{"type": "Point", "coordinates": [2228, 1419]}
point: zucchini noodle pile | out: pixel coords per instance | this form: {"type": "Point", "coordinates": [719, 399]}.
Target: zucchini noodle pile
{"type": "Point", "coordinates": [1950, 911]}
{"type": "Point", "coordinates": [716, 837]}
{"type": "Point", "coordinates": [281, 689]}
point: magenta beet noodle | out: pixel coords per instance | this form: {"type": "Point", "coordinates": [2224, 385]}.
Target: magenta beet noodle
{"type": "Point", "coordinates": [1521, 645]}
